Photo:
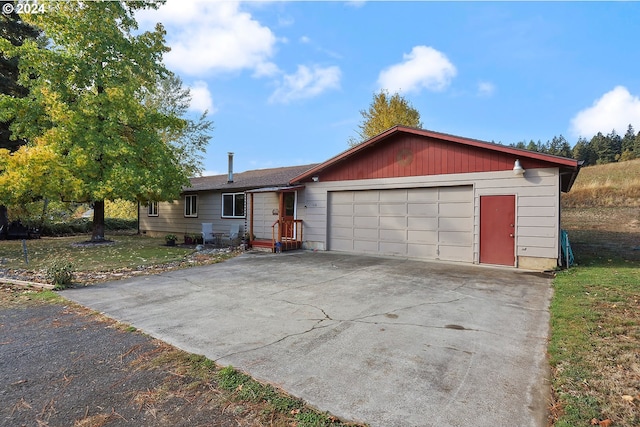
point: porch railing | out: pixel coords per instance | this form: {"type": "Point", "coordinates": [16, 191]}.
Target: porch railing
{"type": "Point", "coordinates": [287, 232]}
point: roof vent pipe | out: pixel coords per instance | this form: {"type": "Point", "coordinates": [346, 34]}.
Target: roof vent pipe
{"type": "Point", "coordinates": [230, 179]}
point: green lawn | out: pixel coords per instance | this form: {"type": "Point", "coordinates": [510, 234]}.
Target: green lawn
{"type": "Point", "coordinates": [125, 251]}
{"type": "Point", "coordinates": [595, 336]}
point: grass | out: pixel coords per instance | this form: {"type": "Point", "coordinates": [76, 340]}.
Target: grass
{"type": "Point", "coordinates": [595, 342]}
{"type": "Point", "coordinates": [613, 184]}
{"type": "Point", "coordinates": [265, 404]}
{"type": "Point", "coordinates": [594, 349]}
{"type": "Point", "coordinates": [126, 251]}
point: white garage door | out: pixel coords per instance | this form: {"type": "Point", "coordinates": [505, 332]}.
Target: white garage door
{"type": "Point", "coordinates": [432, 223]}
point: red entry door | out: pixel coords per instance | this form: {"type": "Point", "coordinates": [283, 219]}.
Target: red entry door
{"type": "Point", "coordinates": [497, 230]}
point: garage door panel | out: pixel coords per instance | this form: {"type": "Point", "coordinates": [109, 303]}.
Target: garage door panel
{"type": "Point", "coordinates": [422, 236]}
{"type": "Point", "coordinates": [365, 246]}
{"type": "Point", "coordinates": [416, 250]}
{"type": "Point", "coordinates": [342, 221]}
{"type": "Point", "coordinates": [366, 233]}
{"type": "Point", "coordinates": [393, 222]}
{"type": "Point", "coordinates": [362, 209]}
{"type": "Point", "coordinates": [456, 210]}
{"type": "Point", "coordinates": [341, 197]}
{"type": "Point", "coordinates": [337, 209]}
{"type": "Point", "coordinates": [338, 244]}
{"type": "Point", "coordinates": [398, 235]}
{"type": "Point", "coordinates": [422, 223]}
{"type": "Point", "coordinates": [455, 224]}
{"type": "Point", "coordinates": [453, 194]}
{"type": "Point", "coordinates": [422, 195]}
{"type": "Point", "coordinates": [422, 209]}
{"type": "Point", "coordinates": [393, 209]}
{"type": "Point", "coordinates": [390, 196]}
{"type": "Point", "coordinates": [432, 223]}
{"type": "Point", "coordinates": [393, 248]}
{"type": "Point", "coordinates": [342, 232]}
{"type": "Point", "coordinates": [456, 238]}
{"type": "Point", "coordinates": [455, 253]}
{"type": "Point", "coordinates": [366, 196]}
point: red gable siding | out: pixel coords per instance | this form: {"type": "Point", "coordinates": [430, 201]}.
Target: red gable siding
{"type": "Point", "coordinates": [414, 155]}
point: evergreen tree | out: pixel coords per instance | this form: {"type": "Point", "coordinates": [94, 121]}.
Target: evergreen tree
{"type": "Point", "coordinates": [559, 147]}
{"type": "Point", "coordinates": [584, 151]}
{"type": "Point", "coordinates": [601, 149]}
{"type": "Point", "coordinates": [628, 145]}
{"type": "Point", "coordinates": [520, 144]}
{"type": "Point", "coordinates": [615, 143]}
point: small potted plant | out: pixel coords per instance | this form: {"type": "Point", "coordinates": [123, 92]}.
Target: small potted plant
{"type": "Point", "coordinates": [170, 239]}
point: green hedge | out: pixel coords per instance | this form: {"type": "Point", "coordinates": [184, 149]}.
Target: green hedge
{"type": "Point", "coordinates": [83, 226]}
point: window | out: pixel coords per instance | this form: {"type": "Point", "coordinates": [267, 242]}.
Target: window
{"type": "Point", "coordinates": [233, 205]}
{"type": "Point", "coordinates": [191, 206]}
{"type": "Point", "coordinates": [152, 209]}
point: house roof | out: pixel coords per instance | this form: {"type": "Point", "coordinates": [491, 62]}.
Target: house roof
{"type": "Point", "coordinates": [569, 168]}
{"type": "Point", "coordinates": [258, 178]}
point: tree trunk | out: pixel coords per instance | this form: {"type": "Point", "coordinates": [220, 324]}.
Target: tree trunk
{"type": "Point", "coordinates": [4, 222]}
{"type": "Point", "coordinates": [98, 221]}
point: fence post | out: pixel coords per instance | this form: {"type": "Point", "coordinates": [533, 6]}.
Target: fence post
{"type": "Point", "coordinates": [24, 251]}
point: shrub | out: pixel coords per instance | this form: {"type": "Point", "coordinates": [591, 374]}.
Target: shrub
{"type": "Point", "coordinates": [83, 226]}
{"type": "Point", "coordinates": [60, 274]}
{"type": "Point", "coordinates": [114, 224]}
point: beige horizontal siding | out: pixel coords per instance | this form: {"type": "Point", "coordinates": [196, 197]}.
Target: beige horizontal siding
{"type": "Point", "coordinates": [537, 198]}
{"type": "Point", "coordinates": [171, 217]}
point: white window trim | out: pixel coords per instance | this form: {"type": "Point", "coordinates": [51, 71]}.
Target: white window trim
{"type": "Point", "coordinates": [150, 204]}
{"type": "Point", "coordinates": [192, 214]}
{"type": "Point", "coordinates": [234, 205]}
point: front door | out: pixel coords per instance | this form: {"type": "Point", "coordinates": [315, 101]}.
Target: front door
{"type": "Point", "coordinates": [497, 230]}
{"type": "Point", "coordinates": [288, 214]}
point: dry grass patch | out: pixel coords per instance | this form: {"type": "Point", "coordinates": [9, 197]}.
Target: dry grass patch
{"type": "Point", "coordinates": [613, 184]}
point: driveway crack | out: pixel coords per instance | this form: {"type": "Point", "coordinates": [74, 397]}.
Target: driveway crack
{"type": "Point", "coordinates": [249, 350]}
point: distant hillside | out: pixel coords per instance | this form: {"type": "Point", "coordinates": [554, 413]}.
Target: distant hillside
{"type": "Point", "coordinates": [611, 184]}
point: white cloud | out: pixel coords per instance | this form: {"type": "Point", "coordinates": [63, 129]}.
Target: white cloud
{"type": "Point", "coordinates": [486, 89]}
{"type": "Point", "coordinates": [616, 109]}
{"type": "Point", "coordinates": [211, 37]}
{"type": "Point", "coordinates": [423, 68]}
{"type": "Point", "coordinates": [201, 99]}
{"type": "Point", "coordinates": [306, 83]}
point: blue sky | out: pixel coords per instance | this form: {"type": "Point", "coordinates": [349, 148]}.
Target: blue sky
{"type": "Point", "coordinates": [284, 82]}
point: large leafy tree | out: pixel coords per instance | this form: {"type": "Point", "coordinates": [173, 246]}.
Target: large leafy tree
{"type": "Point", "coordinates": [91, 135]}
{"type": "Point", "coordinates": [188, 142]}
{"type": "Point", "coordinates": [385, 112]}
{"type": "Point", "coordinates": [15, 31]}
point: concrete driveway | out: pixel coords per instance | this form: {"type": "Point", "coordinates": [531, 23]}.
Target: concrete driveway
{"type": "Point", "coordinates": [385, 341]}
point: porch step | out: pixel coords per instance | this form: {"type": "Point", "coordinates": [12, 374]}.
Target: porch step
{"type": "Point", "coordinates": [268, 245]}
{"type": "Point", "coordinates": [262, 245]}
